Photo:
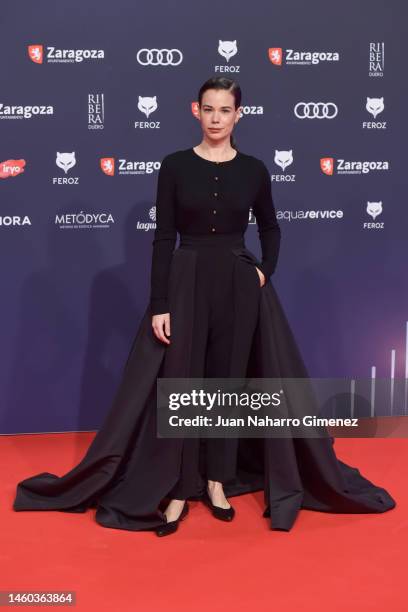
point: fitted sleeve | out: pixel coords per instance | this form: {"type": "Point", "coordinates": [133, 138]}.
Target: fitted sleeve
{"type": "Point", "coordinates": [164, 238]}
{"type": "Point", "coordinates": [268, 227]}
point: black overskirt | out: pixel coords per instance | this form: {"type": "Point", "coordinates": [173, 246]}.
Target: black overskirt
{"type": "Point", "coordinates": [128, 471]}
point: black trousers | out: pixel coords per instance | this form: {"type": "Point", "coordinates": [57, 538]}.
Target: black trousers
{"type": "Point", "coordinates": [209, 458]}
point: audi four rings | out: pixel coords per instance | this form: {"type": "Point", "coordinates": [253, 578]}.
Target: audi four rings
{"type": "Point", "coordinates": [316, 110]}
{"type": "Point", "coordinates": [159, 57]}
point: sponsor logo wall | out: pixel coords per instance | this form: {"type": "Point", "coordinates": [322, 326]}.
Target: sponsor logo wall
{"type": "Point", "coordinates": [84, 126]}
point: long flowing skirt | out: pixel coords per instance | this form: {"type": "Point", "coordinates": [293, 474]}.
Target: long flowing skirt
{"type": "Point", "coordinates": [128, 472]}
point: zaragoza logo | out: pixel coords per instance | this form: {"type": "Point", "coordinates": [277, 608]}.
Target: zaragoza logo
{"type": "Point", "coordinates": [327, 165]}
{"type": "Point", "coordinates": [12, 167]}
{"type": "Point", "coordinates": [108, 165]}
{"type": "Point", "coordinates": [275, 55]}
{"type": "Point", "coordinates": [36, 53]}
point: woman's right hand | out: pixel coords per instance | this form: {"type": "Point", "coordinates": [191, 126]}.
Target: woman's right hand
{"type": "Point", "coordinates": [161, 326]}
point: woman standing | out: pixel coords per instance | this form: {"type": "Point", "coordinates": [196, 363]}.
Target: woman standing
{"type": "Point", "coordinates": [213, 313]}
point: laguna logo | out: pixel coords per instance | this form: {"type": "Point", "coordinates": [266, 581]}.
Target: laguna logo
{"type": "Point", "coordinates": [278, 56]}
{"type": "Point", "coordinates": [330, 166]}
{"type": "Point", "coordinates": [148, 225]}
{"type": "Point", "coordinates": [38, 54]}
{"type": "Point", "coordinates": [12, 167]}
{"type": "Point", "coordinates": [316, 110]}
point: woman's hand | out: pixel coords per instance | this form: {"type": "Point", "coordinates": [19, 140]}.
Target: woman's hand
{"type": "Point", "coordinates": [261, 276]}
{"type": "Point", "coordinates": [161, 325]}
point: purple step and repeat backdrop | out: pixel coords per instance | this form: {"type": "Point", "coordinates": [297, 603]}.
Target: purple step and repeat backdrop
{"type": "Point", "coordinates": [94, 94]}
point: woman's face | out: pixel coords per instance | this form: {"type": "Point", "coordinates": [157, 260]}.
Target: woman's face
{"type": "Point", "coordinates": [217, 114]}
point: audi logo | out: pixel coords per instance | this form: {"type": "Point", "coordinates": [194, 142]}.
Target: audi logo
{"type": "Point", "coordinates": [316, 110]}
{"type": "Point", "coordinates": [159, 57]}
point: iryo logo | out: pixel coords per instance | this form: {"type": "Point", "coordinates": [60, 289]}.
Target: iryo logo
{"type": "Point", "coordinates": [327, 165]}
{"type": "Point", "coordinates": [108, 165]}
{"type": "Point", "coordinates": [12, 167]}
{"type": "Point", "coordinates": [275, 55]}
{"type": "Point", "coordinates": [36, 53]}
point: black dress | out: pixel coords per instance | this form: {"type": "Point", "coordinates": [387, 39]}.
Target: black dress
{"type": "Point", "coordinates": [223, 324]}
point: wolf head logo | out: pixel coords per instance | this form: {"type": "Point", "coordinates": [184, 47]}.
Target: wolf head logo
{"type": "Point", "coordinates": [227, 48]}
{"type": "Point", "coordinates": [65, 161]}
{"type": "Point", "coordinates": [147, 105]}
{"type": "Point", "coordinates": [283, 158]}
{"type": "Point", "coordinates": [374, 209]}
{"type": "Point", "coordinates": [375, 106]}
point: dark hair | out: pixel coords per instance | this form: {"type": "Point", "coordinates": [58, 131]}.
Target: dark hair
{"type": "Point", "coordinates": [227, 84]}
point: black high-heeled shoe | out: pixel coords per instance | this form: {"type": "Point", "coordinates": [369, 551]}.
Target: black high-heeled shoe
{"type": "Point", "coordinates": [224, 514]}
{"type": "Point", "coordinates": [172, 526]}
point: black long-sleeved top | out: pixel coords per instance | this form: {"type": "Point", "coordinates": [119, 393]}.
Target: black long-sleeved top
{"type": "Point", "coordinates": [199, 196]}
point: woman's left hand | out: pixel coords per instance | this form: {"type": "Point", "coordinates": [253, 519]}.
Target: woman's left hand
{"type": "Point", "coordinates": [261, 277]}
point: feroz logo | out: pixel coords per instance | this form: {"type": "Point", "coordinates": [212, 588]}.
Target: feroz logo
{"type": "Point", "coordinates": [374, 209]}
{"type": "Point", "coordinates": [36, 53]}
{"type": "Point", "coordinates": [283, 158]}
{"type": "Point", "coordinates": [65, 161]}
{"type": "Point", "coordinates": [327, 165]}
{"type": "Point", "coordinates": [147, 105]}
{"type": "Point", "coordinates": [227, 49]}
{"type": "Point", "coordinates": [108, 165]}
{"type": "Point", "coordinates": [275, 55]}
{"type": "Point", "coordinates": [12, 167]}
{"type": "Point", "coordinates": [316, 110]}
{"type": "Point", "coordinates": [375, 106]}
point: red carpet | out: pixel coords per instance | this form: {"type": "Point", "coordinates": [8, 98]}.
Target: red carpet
{"type": "Point", "coordinates": [327, 562]}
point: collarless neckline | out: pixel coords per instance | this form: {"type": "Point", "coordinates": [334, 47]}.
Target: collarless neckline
{"type": "Point", "coordinates": [210, 161]}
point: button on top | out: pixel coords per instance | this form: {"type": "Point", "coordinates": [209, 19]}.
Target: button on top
{"type": "Point", "coordinates": [214, 211]}
{"type": "Point", "coordinates": [213, 229]}
{"type": "Point", "coordinates": [216, 178]}
{"type": "Point", "coordinates": [215, 194]}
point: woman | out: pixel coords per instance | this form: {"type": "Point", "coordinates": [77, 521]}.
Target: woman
{"type": "Point", "coordinates": [213, 313]}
